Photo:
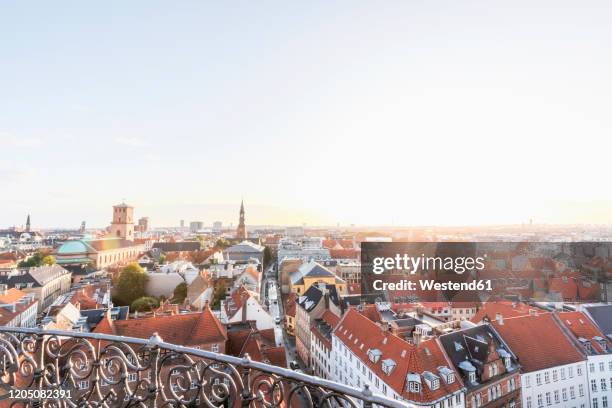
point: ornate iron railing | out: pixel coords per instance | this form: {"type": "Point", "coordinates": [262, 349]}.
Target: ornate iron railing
{"type": "Point", "coordinates": [50, 368]}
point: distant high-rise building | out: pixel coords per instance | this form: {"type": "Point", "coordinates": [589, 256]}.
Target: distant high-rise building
{"type": "Point", "coordinates": [82, 229]}
{"type": "Point", "coordinates": [122, 225]}
{"type": "Point", "coordinates": [217, 226]}
{"type": "Point", "coordinates": [182, 223]}
{"type": "Point", "coordinates": [28, 224]}
{"type": "Point", "coordinates": [195, 226]}
{"type": "Point", "coordinates": [241, 231]}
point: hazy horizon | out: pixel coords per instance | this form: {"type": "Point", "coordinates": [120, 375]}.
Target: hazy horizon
{"type": "Point", "coordinates": [414, 113]}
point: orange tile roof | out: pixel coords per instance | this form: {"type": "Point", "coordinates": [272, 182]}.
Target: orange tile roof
{"type": "Point", "coordinates": [12, 295]}
{"type": "Point", "coordinates": [360, 334]}
{"type": "Point", "coordinates": [183, 329]}
{"type": "Point", "coordinates": [581, 326]}
{"type": "Point", "coordinates": [538, 341]}
{"type": "Point", "coordinates": [290, 304]}
{"type": "Point", "coordinates": [506, 309]}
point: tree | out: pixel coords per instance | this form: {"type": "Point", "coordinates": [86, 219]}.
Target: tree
{"type": "Point", "coordinates": [48, 260]}
{"type": "Point", "coordinates": [144, 304]}
{"type": "Point", "coordinates": [131, 284]}
{"type": "Point", "coordinates": [218, 295]}
{"type": "Point", "coordinates": [35, 260]}
{"type": "Point", "coordinates": [162, 259]}
{"type": "Point", "coordinates": [222, 243]}
{"type": "Point", "coordinates": [180, 292]}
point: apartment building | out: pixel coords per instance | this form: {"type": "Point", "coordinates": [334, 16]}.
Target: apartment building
{"type": "Point", "coordinates": [553, 368]}
{"type": "Point", "coordinates": [366, 353]}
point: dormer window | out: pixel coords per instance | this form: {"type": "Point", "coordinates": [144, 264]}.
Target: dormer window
{"type": "Point", "coordinates": [602, 343]}
{"type": "Point", "coordinates": [374, 355]}
{"type": "Point", "coordinates": [447, 374]}
{"type": "Point", "coordinates": [472, 377]}
{"type": "Point", "coordinates": [414, 382]}
{"type": "Point", "coordinates": [388, 365]}
{"type": "Point", "coordinates": [432, 380]}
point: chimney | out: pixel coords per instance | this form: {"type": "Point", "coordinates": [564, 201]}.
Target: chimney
{"type": "Point", "coordinates": [499, 318]}
{"type": "Point", "coordinates": [533, 312]}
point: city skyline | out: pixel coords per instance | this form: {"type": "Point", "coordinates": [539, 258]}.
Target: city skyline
{"type": "Point", "coordinates": [411, 114]}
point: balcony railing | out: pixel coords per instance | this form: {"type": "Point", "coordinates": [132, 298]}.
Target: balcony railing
{"type": "Point", "coordinates": [51, 368]}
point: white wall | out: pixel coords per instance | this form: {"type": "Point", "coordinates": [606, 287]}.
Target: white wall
{"type": "Point", "coordinates": [564, 381]}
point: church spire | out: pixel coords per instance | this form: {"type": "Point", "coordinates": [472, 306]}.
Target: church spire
{"type": "Point", "coordinates": [28, 223]}
{"type": "Point", "coordinates": [241, 231]}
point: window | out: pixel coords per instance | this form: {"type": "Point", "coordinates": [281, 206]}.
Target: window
{"type": "Point", "coordinates": [601, 366]}
{"type": "Point", "coordinates": [472, 376]}
{"type": "Point", "coordinates": [528, 399]}
{"type": "Point", "coordinates": [555, 375]}
{"type": "Point", "coordinates": [132, 377]}
{"type": "Point", "coordinates": [610, 365]}
{"type": "Point", "coordinates": [539, 379]}
{"type": "Point", "coordinates": [578, 371]}
{"type": "Point", "coordinates": [563, 373]}
{"type": "Point", "coordinates": [572, 392]}
{"type": "Point", "coordinates": [527, 381]}
{"type": "Point", "coordinates": [595, 403]}
{"type": "Point", "coordinates": [540, 403]}
{"type": "Point", "coordinates": [564, 393]}
{"type": "Point", "coordinates": [214, 348]}
{"type": "Point", "coordinates": [570, 372]}
{"type": "Point", "coordinates": [593, 385]}
{"type": "Point", "coordinates": [556, 396]}
{"type": "Point", "coordinates": [580, 390]}
{"type": "Point", "coordinates": [603, 384]}
{"type": "Point", "coordinates": [548, 400]}
{"type": "Point", "coordinates": [546, 377]}
{"type": "Point", "coordinates": [604, 401]}
{"type": "Point", "coordinates": [413, 386]}
{"type": "Point", "coordinates": [83, 385]}
{"type": "Point", "coordinates": [592, 367]}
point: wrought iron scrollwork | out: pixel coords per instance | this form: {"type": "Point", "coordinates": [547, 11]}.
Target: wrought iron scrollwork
{"type": "Point", "coordinates": [57, 369]}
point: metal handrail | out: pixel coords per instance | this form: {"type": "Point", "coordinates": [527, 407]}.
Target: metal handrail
{"type": "Point", "coordinates": [365, 395]}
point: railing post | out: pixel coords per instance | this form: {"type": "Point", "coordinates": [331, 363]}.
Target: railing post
{"type": "Point", "coordinates": [245, 394]}
{"type": "Point", "coordinates": [154, 385]}
{"type": "Point", "coordinates": [367, 393]}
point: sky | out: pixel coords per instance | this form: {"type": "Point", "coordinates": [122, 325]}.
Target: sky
{"type": "Point", "coordinates": [316, 113]}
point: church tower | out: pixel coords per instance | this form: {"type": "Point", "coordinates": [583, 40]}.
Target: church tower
{"type": "Point", "coordinates": [122, 225]}
{"type": "Point", "coordinates": [28, 226]}
{"type": "Point", "coordinates": [241, 231]}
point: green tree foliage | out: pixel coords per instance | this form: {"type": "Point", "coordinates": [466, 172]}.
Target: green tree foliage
{"type": "Point", "coordinates": [130, 284]}
{"type": "Point", "coordinates": [48, 260]}
{"type": "Point", "coordinates": [162, 259]}
{"type": "Point", "coordinates": [144, 304]}
{"type": "Point", "coordinates": [218, 295]}
{"type": "Point", "coordinates": [223, 243]}
{"type": "Point", "coordinates": [180, 292]}
{"type": "Point", "coordinates": [34, 260]}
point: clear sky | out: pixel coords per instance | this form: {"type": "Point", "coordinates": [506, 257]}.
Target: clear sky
{"type": "Point", "coordinates": [321, 112]}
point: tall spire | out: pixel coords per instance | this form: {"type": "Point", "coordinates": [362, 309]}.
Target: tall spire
{"type": "Point", "coordinates": [241, 231]}
{"type": "Point", "coordinates": [28, 224]}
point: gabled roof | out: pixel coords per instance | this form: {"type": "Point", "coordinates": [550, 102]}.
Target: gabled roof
{"type": "Point", "coordinates": [538, 341]}
{"type": "Point", "coordinates": [585, 331]}
{"type": "Point", "coordinates": [184, 329]}
{"type": "Point", "coordinates": [245, 246]}
{"type": "Point", "coordinates": [473, 348]}
{"type": "Point", "coordinates": [362, 336]}
{"type": "Point", "coordinates": [602, 316]}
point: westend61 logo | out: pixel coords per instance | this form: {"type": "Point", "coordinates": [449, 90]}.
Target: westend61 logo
{"type": "Point", "coordinates": [412, 264]}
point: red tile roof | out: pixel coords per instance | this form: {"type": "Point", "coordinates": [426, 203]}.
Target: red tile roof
{"type": "Point", "coordinates": [290, 304]}
{"type": "Point", "coordinates": [581, 326]}
{"type": "Point", "coordinates": [538, 341]}
{"type": "Point", "coordinates": [183, 329]}
{"type": "Point", "coordinates": [361, 335]}
{"type": "Point", "coordinates": [506, 309]}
